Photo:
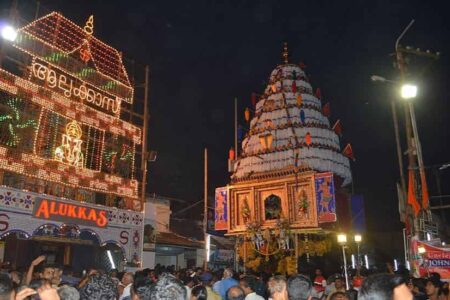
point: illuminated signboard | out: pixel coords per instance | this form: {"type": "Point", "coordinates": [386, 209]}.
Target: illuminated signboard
{"type": "Point", "coordinates": [69, 213]}
{"type": "Point", "coordinates": [73, 88]}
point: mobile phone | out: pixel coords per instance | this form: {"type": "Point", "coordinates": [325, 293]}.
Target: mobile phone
{"type": "Point", "coordinates": [84, 273]}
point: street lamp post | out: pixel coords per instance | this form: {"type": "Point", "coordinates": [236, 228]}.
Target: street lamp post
{"type": "Point", "coordinates": [358, 240]}
{"type": "Point", "coordinates": [342, 240]}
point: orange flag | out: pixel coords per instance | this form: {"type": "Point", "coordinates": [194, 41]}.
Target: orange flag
{"type": "Point", "coordinates": [308, 139]}
{"type": "Point", "coordinates": [348, 151]}
{"type": "Point", "coordinates": [412, 200]}
{"type": "Point", "coordinates": [425, 198]}
{"type": "Point", "coordinates": [337, 127]}
{"type": "Point", "coordinates": [299, 100]}
{"type": "Point", "coordinates": [247, 114]}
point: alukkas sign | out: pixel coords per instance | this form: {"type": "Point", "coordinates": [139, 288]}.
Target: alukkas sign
{"type": "Point", "coordinates": [69, 213]}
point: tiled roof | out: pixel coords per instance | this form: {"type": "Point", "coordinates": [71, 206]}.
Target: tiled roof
{"type": "Point", "coordinates": [173, 239]}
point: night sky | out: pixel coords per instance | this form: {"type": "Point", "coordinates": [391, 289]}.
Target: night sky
{"type": "Point", "coordinates": [202, 54]}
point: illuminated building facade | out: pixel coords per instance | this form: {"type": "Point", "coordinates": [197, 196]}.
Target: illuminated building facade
{"type": "Point", "coordinates": [67, 152]}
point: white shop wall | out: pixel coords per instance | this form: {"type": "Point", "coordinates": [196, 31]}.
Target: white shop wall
{"type": "Point", "coordinates": [148, 259]}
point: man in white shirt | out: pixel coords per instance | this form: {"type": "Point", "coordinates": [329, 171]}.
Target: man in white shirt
{"type": "Point", "coordinates": [189, 282]}
{"type": "Point", "coordinates": [125, 287]}
{"type": "Point", "coordinates": [248, 284]}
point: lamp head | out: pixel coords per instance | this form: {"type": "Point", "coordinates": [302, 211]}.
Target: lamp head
{"type": "Point", "coordinates": [342, 238]}
{"type": "Point", "coordinates": [9, 33]}
{"type": "Point", "coordinates": [377, 78]}
{"type": "Point", "coordinates": [408, 91]}
{"type": "Point", "coordinates": [358, 238]}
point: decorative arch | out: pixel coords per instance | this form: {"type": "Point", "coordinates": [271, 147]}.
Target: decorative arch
{"type": "Point", "coordinates": [116, 244]}
{"type": "Point", "coordinates": [90, 235]}
{"type": "Point", "coordinates": [43, 231]}
{"type": "Point", "coordinates": [17, 231]}
{"type": "Point", "coordinates": [69, 230]}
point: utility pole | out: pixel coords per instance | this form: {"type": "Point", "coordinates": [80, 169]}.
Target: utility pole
{"type": "Point", "coordinates": [412, 135]}
{"type": "Point", "coordinates": [205, 212]}
{"type": "Point", "coordinates": [413, 143]}
{"type": "Point", "coordinates": [144, 158]}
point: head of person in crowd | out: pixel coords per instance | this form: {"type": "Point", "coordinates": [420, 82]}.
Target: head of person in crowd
{"type": "Point", "coordinates": [99, 286]}
{"type": "Point", "coordinates": [235, 293]}
{"type": "Point", "coordinates": [141, 288]}
{"type": "Point", "coordinates": [228, 273]}
{"type": "Point", "coordinates": [318, 272]}
{"type": "Point", "coordinates": [339, 282]}
{"type": "Point", "coordinates": [277, 287]}
{"type": "Point", "coordinates": [127, 278]}
{"type": "Point", "coordinates": [6, 288]}
{"type": "Point", "coordinates": [248, 284]}
{"type": "Point", "coordinates": [67, 292]}
{"type": "Point", "coordinates": [189, 280]}
{"type": "Point", "coordinates": [206, 278]}
{"type": "Point", "coordinates": [167, 287]}
{"type": "Point", "coordinates": [432, 287]}
{"type": "Point", "coordinates": [45, 271]}
{"type": "Point", "coordinates": [435, 276]}
{"type": "Point", "coordinates": [339, 296]}
{"type": "Point", "coordinates": [418, 286]}
{"type": "Point", "coordinates": [113, 273]}
{"type": "Point", "coordinates": [199, 293]}
{"type": "Point", "coordinates": [198, 271]}
{"type": "Point", "coordinates": [384, 286]}
{"type": "Point", "coordinates": [299, 287]}
{"type": "Point", "coordinates": [152, 275]}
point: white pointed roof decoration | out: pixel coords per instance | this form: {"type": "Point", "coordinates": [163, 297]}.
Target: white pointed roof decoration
{"type": "Point", "coordinates": [289, 132]}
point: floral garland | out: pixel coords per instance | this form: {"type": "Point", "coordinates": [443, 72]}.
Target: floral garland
{"type": "Point", "coordinates": [314, 248]}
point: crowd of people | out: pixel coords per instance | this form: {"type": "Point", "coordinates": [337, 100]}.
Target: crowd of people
{"type": "Point", "coordinates": [50, 282]}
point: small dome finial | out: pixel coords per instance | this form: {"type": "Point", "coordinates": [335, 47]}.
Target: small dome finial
{"type": "Point", "coordinates": [285, 53]}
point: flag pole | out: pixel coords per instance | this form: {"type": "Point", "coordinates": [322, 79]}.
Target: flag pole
{"type": "Point", "coordinates": [235, 128]}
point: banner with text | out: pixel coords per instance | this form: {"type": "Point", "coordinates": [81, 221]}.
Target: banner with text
{"type": "Point", "coordinates": [429, 258]}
